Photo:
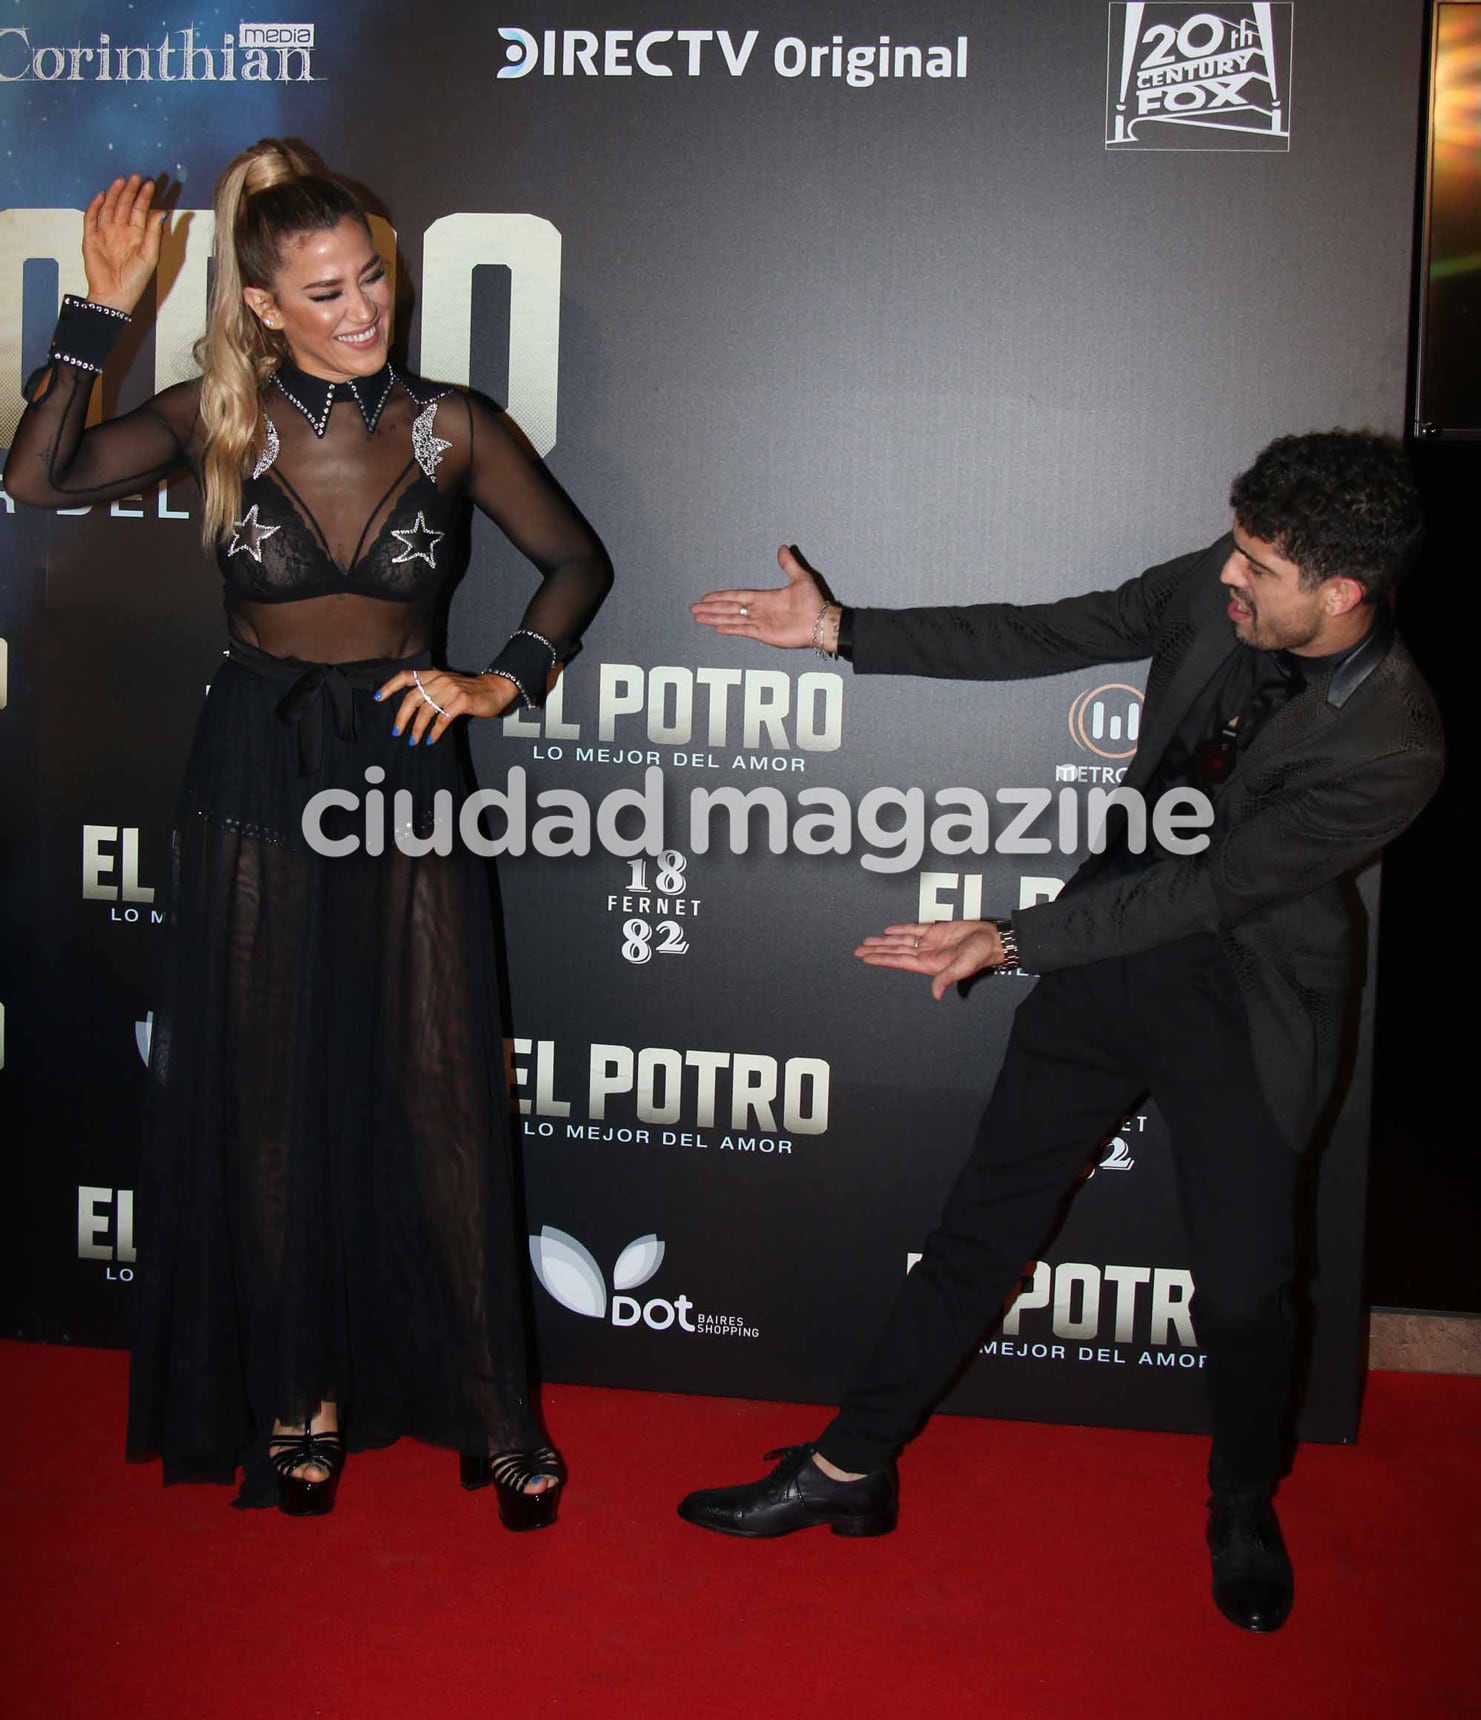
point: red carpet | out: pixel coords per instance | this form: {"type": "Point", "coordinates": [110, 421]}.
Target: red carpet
{"type": "Point", "coordinates": [1038, 1573]}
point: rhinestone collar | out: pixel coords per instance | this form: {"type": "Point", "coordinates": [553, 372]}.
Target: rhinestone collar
{"type": "Point", "coordinates": [315, 398]}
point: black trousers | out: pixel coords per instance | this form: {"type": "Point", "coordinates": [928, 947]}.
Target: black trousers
{"type": "Point", "coordinates": [1085, 1046]}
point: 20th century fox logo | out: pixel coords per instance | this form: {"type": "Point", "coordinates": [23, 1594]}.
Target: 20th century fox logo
{"type": "Point", "coordinates": [1181, 76]}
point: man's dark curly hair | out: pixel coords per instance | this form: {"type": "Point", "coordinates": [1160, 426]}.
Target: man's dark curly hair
{"type": "Point", "coordinates": [1337, 503]}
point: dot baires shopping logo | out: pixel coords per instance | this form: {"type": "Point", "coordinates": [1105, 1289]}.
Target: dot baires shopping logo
{"type": "Point", "coordinates": [1107, 721]}
{"type": "Point", "coordinates": [569, 1274]}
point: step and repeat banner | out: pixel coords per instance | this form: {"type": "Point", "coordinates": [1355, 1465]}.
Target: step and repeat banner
{"type": "Point", "coordinates": [968, 301]}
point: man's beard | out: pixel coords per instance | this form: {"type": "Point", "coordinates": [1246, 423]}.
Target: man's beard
{"type": "Point", "coordinates": [1247, 632]}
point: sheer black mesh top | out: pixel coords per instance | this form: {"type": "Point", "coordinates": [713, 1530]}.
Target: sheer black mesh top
{"type": "Point", "coordinates": [355, 519]}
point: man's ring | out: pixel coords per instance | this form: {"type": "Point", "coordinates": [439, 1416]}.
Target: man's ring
{"type": "Point", "coordinates": [744, 610]}
{"type": "Point", "coordinates": [440, 710]}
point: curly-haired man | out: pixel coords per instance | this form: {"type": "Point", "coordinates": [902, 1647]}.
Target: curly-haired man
{"type": "Point", "coordinates": [1217, 979]}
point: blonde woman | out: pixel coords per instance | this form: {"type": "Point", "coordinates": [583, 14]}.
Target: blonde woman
{"type": "Point", "coordinates": [331, 1250]}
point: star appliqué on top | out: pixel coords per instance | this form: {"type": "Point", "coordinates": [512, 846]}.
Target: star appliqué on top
{"type": "Point", "coordinates": [247, 534]}
{"type": "Point", "coordinates": [420, 540]}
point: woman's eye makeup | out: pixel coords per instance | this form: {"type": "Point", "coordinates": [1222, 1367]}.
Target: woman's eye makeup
{"type": "Point", "coordinates": [377, 274]}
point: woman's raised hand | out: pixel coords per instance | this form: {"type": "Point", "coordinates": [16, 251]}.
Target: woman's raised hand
{"type": "Point", "coordinates": [784, 616]}
{"type": "Point", "coordinates": [120, 242]}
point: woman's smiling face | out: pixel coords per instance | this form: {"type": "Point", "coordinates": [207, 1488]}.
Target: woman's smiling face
{"type": "Point", "coordinates": [331, 300]}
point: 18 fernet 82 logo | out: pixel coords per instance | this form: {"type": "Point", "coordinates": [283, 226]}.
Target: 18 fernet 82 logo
{"type": "Point", "coordinates": [1181, 76]}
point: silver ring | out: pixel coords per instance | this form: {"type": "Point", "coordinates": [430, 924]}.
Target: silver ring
{"type": "Point", "coordinates": [441, 711]}
{"type": "Point", "coordinates": [916, 944]}
{"type": "Point", "coordinates": [744, 610]}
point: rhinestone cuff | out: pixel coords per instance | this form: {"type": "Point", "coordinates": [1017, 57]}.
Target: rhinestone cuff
{"type": "Point", "coordinates": [530, 633]}
{"type": "Point", "coordinates": [86, 333]}
{"type": "Point", "coordinates": [527, 661]}
{"type": "Point", "coordinates": [504, 675]}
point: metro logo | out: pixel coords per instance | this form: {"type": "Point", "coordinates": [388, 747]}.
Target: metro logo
{"type": "Point", "coordinates": [1107, 720]}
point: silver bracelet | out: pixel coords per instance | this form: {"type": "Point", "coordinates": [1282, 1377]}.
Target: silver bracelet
{"type": "Point", "coordinates": [1009, 940]}
{"type": "Point", "coordinates": [817, 633]}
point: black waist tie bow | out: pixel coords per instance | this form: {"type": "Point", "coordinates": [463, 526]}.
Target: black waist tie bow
{"type": "Point", "coordinates": [315, 686]}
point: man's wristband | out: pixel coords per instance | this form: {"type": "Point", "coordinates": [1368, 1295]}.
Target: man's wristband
{"type": "Point", "coordinates": [86, 333]}
{"type": "Point", "coordinates": [1009, 939]}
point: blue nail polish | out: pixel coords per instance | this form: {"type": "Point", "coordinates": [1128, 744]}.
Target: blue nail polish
{"type": "Point", "coordinates": [377, 698]}
{"type": "Point", "coordinates": [412, 741]}
{"type": "Point", "coordinates": [395, 731]}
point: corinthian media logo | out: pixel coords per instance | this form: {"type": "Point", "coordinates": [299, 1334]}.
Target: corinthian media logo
{"type": "Point", "coordinates": [568, 1272]}
{"type": "Point", "coordinates": [1185, 77]}
{"type": "Point", "coordinates": [256, 53]}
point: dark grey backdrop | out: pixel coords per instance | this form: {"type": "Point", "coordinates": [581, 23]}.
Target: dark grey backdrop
{"type": "Point", "coordinates": [933, 331]}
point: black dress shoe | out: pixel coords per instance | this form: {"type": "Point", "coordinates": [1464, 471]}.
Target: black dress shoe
{"type": "Point", "coordinates": [1253, 1583]}
{"type": "Point", "coordinates": [797, 1495]}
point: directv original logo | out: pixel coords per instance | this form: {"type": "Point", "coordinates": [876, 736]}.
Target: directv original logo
{"type": "Point", "coordinates": [693, 53]}
{"type": "Point", "coordinates": [1182, 77]}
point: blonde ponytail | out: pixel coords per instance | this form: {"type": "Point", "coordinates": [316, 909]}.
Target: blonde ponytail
{"type": "Point", "coordinates": [267, 194]}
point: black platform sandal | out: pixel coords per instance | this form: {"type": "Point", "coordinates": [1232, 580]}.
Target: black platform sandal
{"type": "Point", "coordinates": [511, 1473]}
{"type": "Point", "coordinates": [297, 1495]}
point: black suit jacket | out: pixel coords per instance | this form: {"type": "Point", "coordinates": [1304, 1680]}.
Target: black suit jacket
{"type": "Point", "coordinates": [1339, 771]}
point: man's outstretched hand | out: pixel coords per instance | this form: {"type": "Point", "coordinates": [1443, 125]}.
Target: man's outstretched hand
{"type": "Point", "coordinates": [948, 950]}
{"type": "Point", "coordinates": [784, 616]}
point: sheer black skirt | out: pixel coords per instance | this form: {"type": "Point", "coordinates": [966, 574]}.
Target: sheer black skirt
{"type": "Point", "coordinates": [327, 1204]}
